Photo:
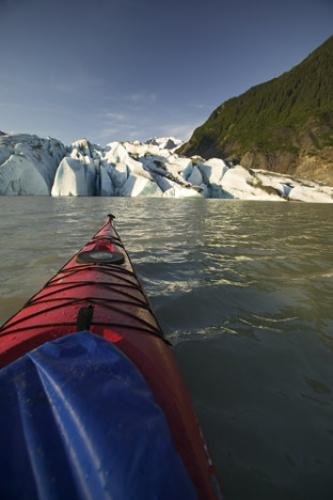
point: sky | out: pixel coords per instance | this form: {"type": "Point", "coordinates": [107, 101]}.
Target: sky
{"type": "Point", "coordinates": [134, 69]}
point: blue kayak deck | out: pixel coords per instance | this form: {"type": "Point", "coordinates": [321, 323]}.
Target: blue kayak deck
{"type": "Point", "coordinates": [79, 421]}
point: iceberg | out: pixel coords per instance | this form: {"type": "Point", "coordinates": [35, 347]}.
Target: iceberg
{"type": "Point", "coordinates": [119, 174]}
{"type": "Point", "coordinates": [181, 192]}
{"type": "Point", "coordinates": [105, 186]}
{"type": "Point", "coordinates": [28, 164]}
{"type": "Point", "coordinates": [74, 178]}
{"type": "Point", "coordinates": [320, 194]}
{"type": "Point", "coordinates": [163, 182]}
{"type": "Point", "coordinates": [19, 176]}
{"type": "Point", "coordinates": [139, 186]}
{"type": "Point", "coordinates": [213, 170]}
{"type": "Point", "coordinates": [237, 182]}
{"type": "Point", "coordinates": [195, 178]}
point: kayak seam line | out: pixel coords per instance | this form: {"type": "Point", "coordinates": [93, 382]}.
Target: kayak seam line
{"type": "Point", "coordinates": [72, 285]}
{"type": "Point", "coordinates": [71, 302]}
{"type": "Point", "coordinates": [97, 323]}
{"type": "Point", "coordinates": [75, 270]}
{"type": "Point", "coordinates": [88, 299]}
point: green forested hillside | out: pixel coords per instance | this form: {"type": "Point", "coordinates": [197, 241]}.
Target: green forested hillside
{"type": "Point", "coordinates": [285, 124]}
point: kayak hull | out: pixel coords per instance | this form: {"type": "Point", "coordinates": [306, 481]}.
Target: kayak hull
{"type": "Point", "coordinates": [97, 290]}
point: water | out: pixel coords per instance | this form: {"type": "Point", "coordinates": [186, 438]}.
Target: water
{"type": "Point", "coordinates": [244, 290]}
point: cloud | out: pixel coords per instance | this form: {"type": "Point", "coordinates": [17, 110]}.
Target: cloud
{"type": "Point", "coordinates": [82, 81]}
{"type": "Point", "coordinates": [120, 127]}
{"type": "Point", "coordinates": [134, 134]}
{"type": "Point", "coordinates": [117, 117]}
{"type": "Point", "coordinates": [179, 130]}
{"type": "Point", "coordinates": [142, 97]}
{"type": "Point", "coordinates": [116, 121]}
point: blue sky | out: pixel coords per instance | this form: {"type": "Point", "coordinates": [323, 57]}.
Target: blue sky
{"type": "Point", "coordinates": [126, 69]}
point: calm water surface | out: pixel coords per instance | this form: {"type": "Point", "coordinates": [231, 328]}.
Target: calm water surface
{"type": "Point", "coordinates": [244, 290]}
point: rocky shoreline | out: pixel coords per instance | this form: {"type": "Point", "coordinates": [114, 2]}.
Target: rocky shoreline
{"type": "Point", "coordinates": [30, 165]}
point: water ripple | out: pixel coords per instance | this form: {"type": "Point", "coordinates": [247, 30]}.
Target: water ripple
{"type": "Point", "coordinates": [245, 291]}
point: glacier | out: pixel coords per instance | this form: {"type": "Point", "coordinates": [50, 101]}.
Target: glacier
{"type": "Point", "coordinates": [30, 165]}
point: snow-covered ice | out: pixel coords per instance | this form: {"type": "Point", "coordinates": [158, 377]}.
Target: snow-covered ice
{"type": "Point", "coordinates": [140, 186]}
{"type": "Point", "coordinates": [318, 194]}
{"type": "Point", "coordinates": [213, 170]}
{"type": "Point", "coordinates": [74, 179]}
{"type": "Point", "coordinates": [237, 182]}
{"type": "Point", "coordinates": [30, 165]}
{"type": "Point", "coordinates": [195, 177]}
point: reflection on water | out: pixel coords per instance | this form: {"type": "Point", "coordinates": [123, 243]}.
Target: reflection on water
{"type": "Point", "coordinates": [244, 290]}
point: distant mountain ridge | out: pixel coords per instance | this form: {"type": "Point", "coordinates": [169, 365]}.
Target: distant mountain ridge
{"type": "Point", "coordinates": [283, 125]}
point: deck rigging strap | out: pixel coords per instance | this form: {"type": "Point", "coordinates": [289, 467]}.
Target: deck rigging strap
{"type": "Point", "coordinates": [126, 281]}
{"type": "Point", "coordinates": [84, 318]}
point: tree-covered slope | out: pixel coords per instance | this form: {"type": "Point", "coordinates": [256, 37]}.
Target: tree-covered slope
{"type": "Point", "coordinates": [285, 125]}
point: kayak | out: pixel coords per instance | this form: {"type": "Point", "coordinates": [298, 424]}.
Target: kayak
{"type": "Point", "coordinates": [93, 404]}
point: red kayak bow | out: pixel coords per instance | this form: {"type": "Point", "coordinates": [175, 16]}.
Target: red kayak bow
{"type": "Point", "coordinates": [98, 291]}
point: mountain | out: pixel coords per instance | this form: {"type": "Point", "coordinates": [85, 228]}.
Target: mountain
{"type": "Point", "coordinates": [283, 125]}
